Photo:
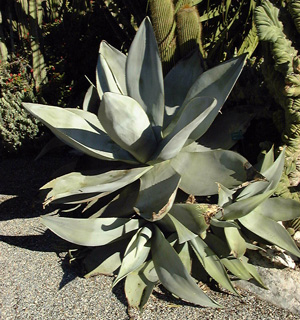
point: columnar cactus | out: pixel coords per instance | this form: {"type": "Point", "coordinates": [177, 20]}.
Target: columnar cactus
{"type": "Point", "coordinates": [283, 79]}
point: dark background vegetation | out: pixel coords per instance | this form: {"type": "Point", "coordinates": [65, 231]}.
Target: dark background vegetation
{"type": "Point", "coordinates": [49, 50]}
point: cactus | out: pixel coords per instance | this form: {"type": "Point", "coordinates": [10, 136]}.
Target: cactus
{"type": "Point", "coordinates": [282, 75]}
{"type": "Point", "coordinates": [3, 48]}
{"type": "Point", "coordinates": [38, 61]}
{"type": "Point", "coordinates": [177, 29]}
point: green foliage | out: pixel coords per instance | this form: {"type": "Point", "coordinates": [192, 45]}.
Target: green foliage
{"type": "Point", "coordinates": [16, 86]}
{"type": "Point", "coordinates": [228, 28]}
{"type": "Point", "coordinates": [282, 77]}
{"type": "Point", "coordinates": [132, 223]}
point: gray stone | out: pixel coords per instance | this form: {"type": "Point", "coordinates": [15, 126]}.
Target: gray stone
{"type": "Point", "coordinates": [283, 285]}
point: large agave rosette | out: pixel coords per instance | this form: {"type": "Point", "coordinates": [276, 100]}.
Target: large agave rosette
{"type": "Point", "coordinates": [149, 124]}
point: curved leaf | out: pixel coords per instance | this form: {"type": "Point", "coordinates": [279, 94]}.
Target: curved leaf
{"type": "Point", "coordinates": [183, 252]}
{"type": "Point", "coordinates": [211, 263]}
{"type": "Point", "coordinates": [272, 174]}
{"type": "Point", "coordinates": [190, 217]}
{"type": "Point", "coordinates": [253, 271]}
{"type": "Point", "coordinates": [196, 114]}
{"type": "Point", "coordinates": [110, 73]}
{"type": "Point", "coordinates": [172, 273]}
{"type": "Point", "coordinates": [91, 118]}
{"type": "Point", "coordinates": [104, 259]}
{"type": "Point", "coordinates": [225, 195]}
{"type": "Point", "coordinates": [157, 191]}
{"type": "Point", "coordinates": [269, 230]}
{"type": "Point", "coordinates": [91, 100]}
{"type": "Point", "coordinates": [234, 265]}
{"type": "Point", "coordinates": [144, 78]}
{"type": "Point", "coordinates": [200, 171]}
{"type": "Point", "coordinates": [138, 288]}
{"type": "Point", "coordinates": [127, 124]}
{"type": "Point", "coordinates": [91, 232]}
{"type": "Point", "coordinates": [236, 242]}
{"type": "Point", "coordinates": [179, 80]}
{"type": "Point", "coordinates": [136, 253]}
{"type": "Point", "coordinates": [75, 131]}
{"type": "Point", "coordinates": [216, 82]}
{"type": "Point", "coordinates": [121, 205]}
{"type": "Point", "coordinates": [184, 234]}
{"type": "Point", "coordinates": [267, 161]}
{"type": "Point", "coordinates": [279, 209]}
{"type": "Point", "coordinates": [241, 208]}
{"type": "Point", "coordinates": [76, 183]}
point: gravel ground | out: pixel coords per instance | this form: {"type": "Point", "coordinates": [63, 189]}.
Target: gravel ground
{"type": "Point", "coordinates": [36, 282]}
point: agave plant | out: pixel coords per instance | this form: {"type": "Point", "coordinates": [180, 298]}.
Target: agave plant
{"type": "Point", "coordinates": [149, 125]}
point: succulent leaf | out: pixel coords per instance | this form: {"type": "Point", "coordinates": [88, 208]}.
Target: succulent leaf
{"type": "Point", "coordinates": [91, 232]}
{"type": "Point", "coordinates": [183, 252]}
{"type": "Point", "coordinates": [243, 207]}
{"type": "Point", "coordinates": [159, 185]}
{"type": "Point", "coordinates": [128, 125]}
{"type": "Point", "coordinates": [211, 263]}
{"type": "Point", "coordinates": [144, 77]}
{"type": "Point", "coordinates": [235, 266]}
{"type": "Point", "coordinates": [225, 195]}
{"type": "Point", "coordinates": [279, 209]}
{"type": "Point", "coordinates": [76, 183]}
{"type": "Point", "coordinates": [269, 230]}
{"type": "Point", "coordinates": [121, 205]}
{"type": "Point", "coordinates": [272, 174]}
{"type": "Point", "coordinates": [196, 113]}
{"type": "Point", "coordinates": [172, 273]}
{"type": "Point", "coordinates": [200, 171]}
{"type": "Point", "coordinates": [267, 161]}
{"type": "Point", "coordinates": [184, 234]}
{"type": "Point", "coordinates": [236, 242]}
{"type": "Point", "coordinates": [138, 289]}
{"type": "Point", "coordinates": [91, 100]}
{"type": "Point", "coordinates": [216, 82]}
{"type": "Point", "coordinates": [104, 259]}
{"type": "Point", "coordinates": [192, 218]}
{"type": "Point", "coordinates": [252, 270]}
{"type": "Point", "coordinates": [136, 253]}
{"type": "Point", "coordinates": [78, 133]}
{"type": "Point", "coordinates": [179, 80]}
{"type": "Point", "coordinates": [110, 72]}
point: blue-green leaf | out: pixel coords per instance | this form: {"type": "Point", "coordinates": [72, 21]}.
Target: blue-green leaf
{"type": "Point", "coordinates": [178, 82]}
{"type": "Point", "coordinates": [236, 242]}
{"type": "Point", "coordinates": [172, 273]}
{"type": "Point", "coordinates": [216, 82]}
{"type": "Point", "coordinates": [136, 253]}
{"type": "Point", "coordinates": [128, 125]}
{"type": "Point", "coordinates": [138, 287]}
{"type": "Point", "coordinates": [91, 232]}
{"type": "Point", "coordinates": [192, 218]}
{"type": "Point", "coordinates": [269, 230]}
{"type": "Point", "coordinates": [272, 174]}
{"type": "Point", "coordinates": [110, 73]}
{"type": "Point", "coordinates": [144, 78]}
{"type": "Point", "coordinates": [279, 209]}
{"type": "Point", "coordinates": [78, 184]}
{"type": "Point", "coordinates": [195, 114]}
{"type": "Point", "coordinates": [200, 171]}
{"type": "Point", "coordinates": [158, 189]}
{"type": "Point", "coordinates": [211, 263]}
{"type": "Point", "coordinates": [79, 133]}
